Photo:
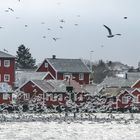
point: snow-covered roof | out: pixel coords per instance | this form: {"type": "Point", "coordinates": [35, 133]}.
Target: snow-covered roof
{"type": "Point", "coordinates": [24, 76]}
{"type": "Point", "coordinates": [50, 85]}
{"type": "Point", "coordinates": [4, 88]}
{"type": "Point", "coordinates": [119, 81]}
{"type": "Point", "coordinates": [68, 65]}
{"type": "Point", "coordinates": [93, 89]}
{"type": "Point", "coordinates": [6, 55]}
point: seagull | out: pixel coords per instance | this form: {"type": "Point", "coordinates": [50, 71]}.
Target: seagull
{"type": "Point", "coordinates": [62, 21]}
{"type": "Point", "coordinates": [5, 50]}
{"type": "Point", "coordinates": [76, 24]}
{"type": "Point", "coordinates": [26, 25]}
{"type": "Point", "coordinates": [125, 17]}
{"type": "Point", "coordinates": [61, 27]}
{"type": "Point", "coordinates": [6, 10]}
{"type": "Point", "coordinates": [1, 27]}
{"type": "Point", "coordinates": [44, 36]}
{"type": "Point", "coordinates": [55, 39]}
{"type": "Point", "coordinates": [110, 33]}
{"type": "Point", "coordinates": [49, 29]}
{"type": "Point", "coordinates": [11, 9]}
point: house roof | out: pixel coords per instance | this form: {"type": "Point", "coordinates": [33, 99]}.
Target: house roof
{"type": "Point", "coordinates": [50, 85]}
{"type": "Point", "coordinates": [6, 55]}
{"type": "Point", "coordinates": [93, 89]}
{"type": "Point", "coordinates": [23, 76]}
{"type": "Point", "coordinates": [68, 65]}
{"type": "Point", "coordinates": [120, 81]}
{"type": "Point", "coordinates": [44, 85]}
{"type": "Point", "coordinates": [53, 85]}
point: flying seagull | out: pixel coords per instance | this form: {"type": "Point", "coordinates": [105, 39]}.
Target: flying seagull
{"type": "Point", "coordinates": [44, 36]}
{"type": "Point", "coordinates": [61, 27]}
{"type": "Point", "coordinates": [55, 39]}
{"type": "Point", "coordinates": [11, 9]}
{"type": "Point", "coordinates": [62, 21]}
{"type": "Point", "coordinates": [125, 17]}
{"type": "Point", "coordinates": [110, 33]}
{"type": "Point", "coordinates": [5, 50]}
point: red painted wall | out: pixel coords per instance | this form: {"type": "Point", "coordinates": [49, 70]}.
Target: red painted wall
{"type": "Point", "coordinates": [48, 77]}
{"type": "Point", "coordinates": [137, 85]}
{"type": "Point", "coordinates": [120, 104]}
{"type": "Point", "coordinates": [84, 81]}
{"type": "Point", "coordinates": [49, 69]}
{"type": "Point", "coordinates": [8, 101]}
{"type": "Point", "coordinates": [60, 76]}
{"type": "Point", "coordinates": [29, 87]}
{"type": "Point", "coordinates": [8, 70]}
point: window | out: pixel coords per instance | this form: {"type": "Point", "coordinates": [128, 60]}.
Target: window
{"type": "Point", "coordinates": [6, 78]}
{"type": "Point", "coordinates": [6, 63]}
{"type": "Point", "coordinates": [0, 63]}
{"type": "Point", "coordinates": [135, 99]}
{"type": "Point", "coordinates": [46, 96]}
{"type": "Point", "coordinates": [66, 76]}
{"type": "Point", "coordinates": [55, 97]}
{"type": "Point", "coordinates": [5, 96]}
{"type": "Point", "coordinates": [80, 98]}
{"type": "Point", "coordinates": [60, 97]}
{"type": "Point", "coordinates": [124, 100]}
{"type": "Point", "coordinates": [81, 76]}
{"type": "Point", "coordinates": [46, 65]}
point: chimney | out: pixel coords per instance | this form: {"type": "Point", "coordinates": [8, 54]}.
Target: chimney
{"type": "Point", "coordinates": [54, 56]}
{"type": "Point", "coordinates": [126, 76]}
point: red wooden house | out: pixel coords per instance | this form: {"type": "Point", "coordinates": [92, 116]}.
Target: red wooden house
{"type": "Point", "coordinates": [124, 100]}
{"type": "Point", "coordinates": [7, 68]}
{"type": "Point", "coordinates": [66, 68]}
{"type": "Point", "coordinates": [51, 92]}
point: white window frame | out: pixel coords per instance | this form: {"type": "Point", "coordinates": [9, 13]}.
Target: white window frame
{"type": "Point", "coordinates": [124, 99]}
{"type": "Point", "coordinates": [80, 97]}
{"type": "Point", "coordinates": [8, 76]}
{"type": "Point", "coordinates": [26, 96]}
{"type": "Point", "coordinates": [60, 97]}
{"type": "Point", "coordinates": [51, 97]}
{"type": "Point", "coordinates": [46, 96]}
{"type": "Point", "coordinates": [6, 63]}
{"type": "Point", "coordinates": [55, 97]}
{"type": "Point", "coordinates": [135, 99]}
{"type": "Point", "coordinates": [67, 75]}
{"type": "Point", "coordinates": [46, 64]}
{"type": "Point", "coordinates": [5, 96]}
{"type": "Point", "coordinates": [81, 76]}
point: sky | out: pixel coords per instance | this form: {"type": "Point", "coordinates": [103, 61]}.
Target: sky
{"type": "Point", "coordinates": [35, 23]}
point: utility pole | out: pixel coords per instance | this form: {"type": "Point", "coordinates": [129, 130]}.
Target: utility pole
{"type": "Point", "coordinates": [91, 53]}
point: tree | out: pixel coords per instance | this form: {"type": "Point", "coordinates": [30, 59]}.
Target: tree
{"type": "Point", "coordinates": [24, 58]}
{"type": "Point", "coordinates": [100, 72]}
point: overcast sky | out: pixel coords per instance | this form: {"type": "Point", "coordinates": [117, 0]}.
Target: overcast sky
{"type": "Point", "coordinates": [82, 30]}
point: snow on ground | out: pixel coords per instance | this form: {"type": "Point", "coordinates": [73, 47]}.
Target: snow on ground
{"type": "Point", "coordinates": [73, 130]}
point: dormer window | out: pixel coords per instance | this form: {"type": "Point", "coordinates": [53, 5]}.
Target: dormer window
{"type": "Point", "coordinates": [46, 65]}
{"type": "Point", "coordinates": [6, 63]}
{"type": "Point", "coordinates": [81, 76]}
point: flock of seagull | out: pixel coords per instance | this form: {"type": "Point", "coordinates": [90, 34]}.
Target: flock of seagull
{"type": "Point", "coordinates": [110, 34]}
